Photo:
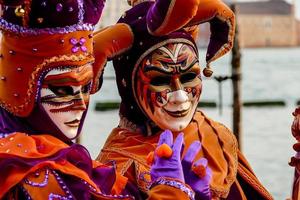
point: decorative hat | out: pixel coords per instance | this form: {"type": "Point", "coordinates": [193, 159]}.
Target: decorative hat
{"type": "Point", "coordinates": [155, 24]}
{"type": "Point", "coordinates": [38, 36]}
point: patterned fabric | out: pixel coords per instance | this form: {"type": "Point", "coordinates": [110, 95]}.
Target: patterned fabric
{"type": "Point", "coordinates": [55, 168]}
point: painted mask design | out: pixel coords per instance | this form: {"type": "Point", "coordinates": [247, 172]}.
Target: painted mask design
{"type": "Point", "coordinates": [65, 97]}
{"type": "Point", "coordinates": [168, 85]}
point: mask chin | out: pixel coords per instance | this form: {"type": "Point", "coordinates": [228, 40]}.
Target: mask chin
{"type": "Point", "coordinates": [41, 123]}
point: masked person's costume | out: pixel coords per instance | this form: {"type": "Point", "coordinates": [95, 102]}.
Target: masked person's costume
{"type": "Point", "coordinates": [160, 84]}
{"type": "Point", "coordinates": [295, 160]}
{"type": "Point", "coordinates": [47, 70]}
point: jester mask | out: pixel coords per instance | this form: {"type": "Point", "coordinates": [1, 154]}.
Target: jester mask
{"type": "Point", "coordinates": [168, 85]}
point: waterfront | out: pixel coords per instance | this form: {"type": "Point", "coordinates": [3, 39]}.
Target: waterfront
{"type": "Point", "coordinates": [267, 142]}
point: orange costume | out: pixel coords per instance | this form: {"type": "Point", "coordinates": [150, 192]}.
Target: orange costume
{"type": "Point", "coordinates": [47, 69]}
{"type": "Point", "coordinates": [232, 177]}
{"type": "Point", "coordinates": [159, 83]}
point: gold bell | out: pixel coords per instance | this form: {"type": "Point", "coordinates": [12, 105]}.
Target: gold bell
{"type": "Point", "coordinates": [19, 11]}
{"type": "Point", "coordinates": [208, 71]}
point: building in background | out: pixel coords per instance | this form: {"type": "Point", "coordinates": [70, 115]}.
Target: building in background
{"type": "Point", "coordinates": [269, 23]}
{"type": "Point", "coordinates": [113, 10]}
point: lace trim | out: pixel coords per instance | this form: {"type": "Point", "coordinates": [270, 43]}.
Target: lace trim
{"type": "Point", "coordinates": [176, 184]}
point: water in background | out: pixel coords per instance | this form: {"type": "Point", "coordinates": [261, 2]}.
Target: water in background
{"type": "Point", "coordinates": [268, 74]}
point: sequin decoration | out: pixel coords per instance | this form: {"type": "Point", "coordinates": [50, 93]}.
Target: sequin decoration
{"type": "Point", "coordinates": [59, 7]}
{"type": "Point", "coordinates": [42, 184]}
{"type": "Point", "coordinates": [78, 45]}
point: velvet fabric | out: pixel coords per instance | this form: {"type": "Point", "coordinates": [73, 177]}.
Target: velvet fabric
{"type": "Point", "coordinates": [230, 170]}
{"type": "Point", "coordinates": [46, 151]}
{"type": "Point", "coordinates": [108, 43]}
{"type": "Point", "coordinates": [54, 13]}
{"type": "Point", "coordinates": [166, 16]}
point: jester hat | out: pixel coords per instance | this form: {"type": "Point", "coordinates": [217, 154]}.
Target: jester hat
{"type": "Point", "coordinates": [153, 24]}
{"type": "Point", "coordinates": [38, 36]}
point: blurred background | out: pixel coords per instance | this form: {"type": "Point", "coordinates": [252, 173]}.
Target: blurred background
{"type": "Point", "coordinates": [269, 37]}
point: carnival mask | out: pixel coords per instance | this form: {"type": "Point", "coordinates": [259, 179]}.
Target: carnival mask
{"type": "Point", "coordinates": [168, 85]}
{"type": "Point", "coordinates": [65, 97]}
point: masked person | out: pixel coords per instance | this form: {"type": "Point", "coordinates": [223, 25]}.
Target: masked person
{"type": "Point", "coordinates": [46, 77]}
{"type": "Point", "coordinates": [160, 85]}
{"type": "Point", "coordinates": [295, 160]}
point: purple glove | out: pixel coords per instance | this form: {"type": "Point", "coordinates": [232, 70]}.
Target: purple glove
{"type": "Point", "coordinates": [168, 167]}
{"type": "Point", "coordinates": [199, 183]}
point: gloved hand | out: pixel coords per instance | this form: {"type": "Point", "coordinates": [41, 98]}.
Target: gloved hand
{"type": "Point", "coordinates": [167, 161]}
{"type": "Point", "coordinates": [197, 175]}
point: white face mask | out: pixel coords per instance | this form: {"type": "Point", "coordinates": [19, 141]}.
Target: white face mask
{"type": "Point", "coordinates": [65, 96]}
{"type": "Point", "coordinates": [168, 86]}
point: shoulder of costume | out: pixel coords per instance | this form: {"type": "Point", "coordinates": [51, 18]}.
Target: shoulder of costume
{"type": "Point", "coordinates": [219, 127]}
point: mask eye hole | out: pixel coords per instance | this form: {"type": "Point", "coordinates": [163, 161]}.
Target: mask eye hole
{"type": "Point", "coordinates": [160, 81]}
{"type": "Point", "coordinates": [61, 90]}
{"type": "Point", "coordinates": [188, 77]}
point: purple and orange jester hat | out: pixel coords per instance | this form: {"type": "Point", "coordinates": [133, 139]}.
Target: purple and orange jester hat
{"type": "Point", "coordinates": [38, 36]}
{"type": "Point", "coordinates": [153, 24]}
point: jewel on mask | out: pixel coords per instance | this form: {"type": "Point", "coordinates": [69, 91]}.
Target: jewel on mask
{"type": "Point", "coordinates": [34, 50]}
{"type": "Point", "coordinates": [61, 41]}
{"type": "Point", "coordinates": [16, 95]}
{"type": "Point", "coordinates": [3, 78]}
{"type": "Point", "coordinates": [70, 9]}
{"type": "Point", "coordinates": [78, 45]}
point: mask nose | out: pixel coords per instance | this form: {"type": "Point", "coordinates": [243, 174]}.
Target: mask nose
{"type": "Point", "coordinates": [178, 97]}
{"type": "Point", "coordinates": [176, 84]}
{"type": "Point", "coordinates": [81, 101]}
